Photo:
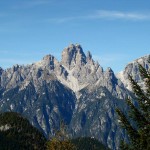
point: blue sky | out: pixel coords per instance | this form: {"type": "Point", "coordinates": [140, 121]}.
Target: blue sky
{"type": "Point", "coordinates": [115, 31]}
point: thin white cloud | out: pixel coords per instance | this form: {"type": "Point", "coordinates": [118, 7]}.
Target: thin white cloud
{"type": "Point", "coordinates": [104, 14]}
{"type": "Point", "coordinates": [61, 20]}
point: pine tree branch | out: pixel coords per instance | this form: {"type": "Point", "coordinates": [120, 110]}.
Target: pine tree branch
{"type": "Point", "coordinates": [136, 115]}
{"type": "Point", "coordinates": [127, 125]}
{"type": "Point", "coordinates": [145, 75]}
{"type": "Point", "coordinates": [141, 97]}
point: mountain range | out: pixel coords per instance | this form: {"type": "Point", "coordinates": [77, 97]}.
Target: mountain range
{"type": "Point", "coordinates": [76, 90]}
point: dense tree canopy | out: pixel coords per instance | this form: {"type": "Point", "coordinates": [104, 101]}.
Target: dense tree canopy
{"type": "Point", "coordinates": [16, 133]}
{"type": "Point", "coordinates": [88, 143]}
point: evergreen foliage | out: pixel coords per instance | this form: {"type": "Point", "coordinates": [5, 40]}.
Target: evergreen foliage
{"type": "Point", "coordinates": [88, 143]}
{"type": "Point", "coordinates": [61, 140]}
{"type": "Point", "coordinates": [137, 123]}
{"type": "Point", "coordinates": [16, 133]}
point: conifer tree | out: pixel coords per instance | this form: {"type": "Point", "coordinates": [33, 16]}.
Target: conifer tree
{"type": "Point", "coordinates": [61, 140]}
{"type": "Point", "coordinates": [139, 130]}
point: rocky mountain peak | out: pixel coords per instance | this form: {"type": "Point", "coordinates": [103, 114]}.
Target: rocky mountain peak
{"type": "Point", "coordinates": [132, 69]}
{"type": "Point", "coordinates": [97, 64]}
{"type": "Point", "coordinates": [49, 58]}
{"type": "Point", "coordinates": [109, 70]}
{"type": "Point", "coordinates": [49, 62]}
{"type": "Point", "coordinates": [89, 56]}
{"type": "Point", "coordinates": [15, 67]}
{"type": "Point", "coordinates": [73, 55]}
{"type": "Point", "coordinates": [110, 76]}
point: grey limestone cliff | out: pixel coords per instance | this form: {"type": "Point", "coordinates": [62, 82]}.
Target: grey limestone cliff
{"type": "Point", "coordinates": [133, 70]}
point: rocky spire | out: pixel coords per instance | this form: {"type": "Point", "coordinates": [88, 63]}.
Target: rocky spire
{"type": "Point", "coordinates": [73, 55]}
{"type": "Point", "coordinates": [15, 67]}
{"type": "Point", "coordinates": [50, 61]}
{"type": "Point", "coordinates": [89, 56]}
{"type": "Point", "coordinates": [109, 72]}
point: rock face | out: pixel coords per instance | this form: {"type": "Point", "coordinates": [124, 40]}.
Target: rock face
{"type": "Point", "coordinates": [83, 71]}
{"type": "Point", "coordinates": [76, 90]}
{"type": "Point", "coordinates": [72, 56]}
{"type": "Point", "coordinates": [132, 69]}
{"type": "Point", "coordinates": [35, 91]}
{"type": "Point", "coordinates": [95, 116]}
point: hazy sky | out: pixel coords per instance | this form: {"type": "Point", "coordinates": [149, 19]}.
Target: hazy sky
{"type": "Point", "coordinates": [115, 31]}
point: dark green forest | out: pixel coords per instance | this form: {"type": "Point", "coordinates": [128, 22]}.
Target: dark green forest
{"type": "Point", "coordinates": [18, 134]}
{"type": "Point", "coordinates": [88, 143]}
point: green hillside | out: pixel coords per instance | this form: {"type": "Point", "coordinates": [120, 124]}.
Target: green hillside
{"type": "Point", "coordinates": [16, 133]}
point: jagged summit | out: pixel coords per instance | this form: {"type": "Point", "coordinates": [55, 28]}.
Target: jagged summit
{"type": "Point", "coordinates": [76, 71]}
{"type": "Point", "coordinates": [132, 69]}
{"type": "Point", "coordinates": [89, 56]}
{"type": "Point", "coordinates": [73, 55]}
{"type": "Point", "coordinates": [109, 70]}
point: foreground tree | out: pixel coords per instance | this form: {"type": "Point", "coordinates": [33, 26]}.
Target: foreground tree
{"type": "Point", "coordinates": [88, 143]}
{"type": "Point", "coordinates": [60, 141]}
{"type": "Point", "coordinates": [139, 130]}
